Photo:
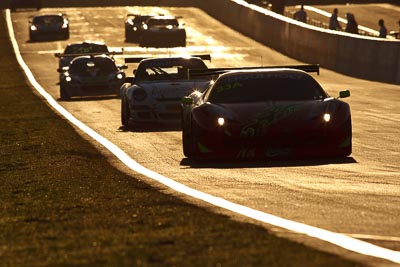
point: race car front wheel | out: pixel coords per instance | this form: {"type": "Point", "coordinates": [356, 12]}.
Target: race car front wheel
{"type": "Point", "coordinates": [125, 112]}
{"type": "Point", "coordinates": [186, 144]}
{"type": "Point", "coordinates": [64, 94]}
{"type": "Point", "coordinates": [189, 139]}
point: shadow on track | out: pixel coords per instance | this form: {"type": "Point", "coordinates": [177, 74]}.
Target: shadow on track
{"type": "Point", "coordinates": [151, 127]}
{"type": "Point", "coordinates": [268, 163]}
{"type": "Point", "coordinates": [90, 98]}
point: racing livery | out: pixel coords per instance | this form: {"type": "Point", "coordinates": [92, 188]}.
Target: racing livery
{"type": "Point", "coordinates": [156, 90]}
{"type": "Point", "coordinates": [49, 26]}
{"type": "Point", "coordinates": [90, 76]}
{"type": "Point", "coordinates": [163, 31]}
{"type": "Point", "coordinates": [265, 113]}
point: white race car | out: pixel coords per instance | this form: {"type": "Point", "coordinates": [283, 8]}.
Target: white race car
{"type": "Point", "coordinates": [154, 94]}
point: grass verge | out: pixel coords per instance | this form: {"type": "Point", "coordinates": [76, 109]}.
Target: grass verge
{"type": "Point", "coordinates": [62, 204]}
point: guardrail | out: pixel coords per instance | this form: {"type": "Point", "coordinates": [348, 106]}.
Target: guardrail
{"type": "Point", "coordinates": [354, 55]}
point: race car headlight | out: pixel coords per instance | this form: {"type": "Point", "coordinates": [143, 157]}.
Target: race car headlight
{"type": "Point", "coordinates": [221, 121]}
{"type": "Point", "coordinates": [139, 94]}
{"type": "Point", "coordinates": [68, 79]}
{"type": "Point", "coordinates": [33, 28]}
{"type": "Point", "coordinates": [145, 27]}
{"type": "Point", "coordinates": [120, 76]}
{"type": "Point", "coordinates": [327, 117]}
{"type": "Point", "coordinates": [65, 24]}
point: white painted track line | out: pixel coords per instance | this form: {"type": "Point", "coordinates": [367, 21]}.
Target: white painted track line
{"type": "Point", "coordinates": [338, 239]}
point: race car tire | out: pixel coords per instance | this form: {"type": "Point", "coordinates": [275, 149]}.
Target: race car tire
{"type": "Point", "coordinates": [127, 35]}
{"type": "Point", "coordinates": [118, 93]}
{"type": "Point", "coordinates": [145, 41]}
{"type": "Point", "coordinates": [131, 37]}
{"type": "Point", "coordinates": [348, 130]}
{"type": "Point", "coordinates": [186, 138]}
{"type": "Point", "coordinates": [125, 112]}
{"type": "Point", "coordinates": [66, 36]}
{"type": "Point", "coordinates": [182, 43]}
{"type": "Point", "coordinates": [32, 37]}
{"type": "Point", "coordinates": [189, 141]}
{"type": "Point", "coordinates": [64, 94]}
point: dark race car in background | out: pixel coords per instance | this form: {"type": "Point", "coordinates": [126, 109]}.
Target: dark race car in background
{"type": "Point", "coordinates": [91, 76]}
{"type": "Point", "coordinates": [48, 27]}
{"type": "Point", "coordinates": [134, 26]}
{"type": "Point", "coordinates": [265, 113]}
{"type": "Point", "coordinates": [155, 92]}
{"type": "Point", "coordinates": [163, 31]}
{"type": "Point", "coordinates": [73, 50]}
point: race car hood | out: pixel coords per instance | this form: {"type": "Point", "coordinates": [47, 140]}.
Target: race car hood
{"type": "Point", "coordinates": [98, 78]}
{"type": "Point", "coordinates": [49, 27]}
{"type": "Point", "coordinates": [267, 115]}
{"type": "Point", "coordinates": [164, 28]}
{"type": "Point", "coordinates": [172, 90]}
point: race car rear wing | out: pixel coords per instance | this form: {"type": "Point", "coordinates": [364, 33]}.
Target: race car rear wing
{"type": "Point", "coordinates": [138, 59]}
{"type": "Point", "coordinates": [218, 71]}
{"type": "Point", "coordinates": [140, 15]}
{"type": "Point", "coordinates": [60, 55]}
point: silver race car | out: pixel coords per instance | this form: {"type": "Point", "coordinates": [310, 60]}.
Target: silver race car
{"type": "Point", "coordinates": [155, 92]}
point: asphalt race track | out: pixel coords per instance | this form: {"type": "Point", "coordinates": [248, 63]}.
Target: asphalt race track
{"type": "Point", "coordinates": [357, 196]}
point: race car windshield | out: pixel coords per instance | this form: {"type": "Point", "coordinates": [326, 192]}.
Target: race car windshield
{"type": "Point", "coordinates": [48, 20]}
{"type": "Point", "coordinates": [269, 89]}
{"type": "Point", "coordinates": [140, 19]}
{"type": "Point", "coordinates": [167, 70]}
{"type": "Point", "coordinates": [162, 22]}
{"type": "Point", "coordinates": [93, 68]}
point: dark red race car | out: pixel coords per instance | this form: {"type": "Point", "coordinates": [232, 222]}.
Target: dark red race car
{"type": "Point", "coordinates": [265, 113]}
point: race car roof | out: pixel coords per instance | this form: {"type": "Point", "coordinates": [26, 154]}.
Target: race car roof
{"type": "Point", "coordinates": [138, 59]}
{"type": "Point", "coordinates": [218, 71]}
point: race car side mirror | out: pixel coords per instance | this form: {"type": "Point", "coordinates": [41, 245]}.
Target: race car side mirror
{"type": "Point", "coordinates": [187, 100]}
{"type": "Point", "coordinates": [344, 94]}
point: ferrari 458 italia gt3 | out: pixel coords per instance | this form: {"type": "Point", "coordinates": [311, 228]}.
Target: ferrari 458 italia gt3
{"type": "Point", "coordinates": [265, 113]}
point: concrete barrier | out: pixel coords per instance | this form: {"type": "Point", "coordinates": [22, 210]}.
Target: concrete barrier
{"type": "Point", "coordinates": [363, 57]}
